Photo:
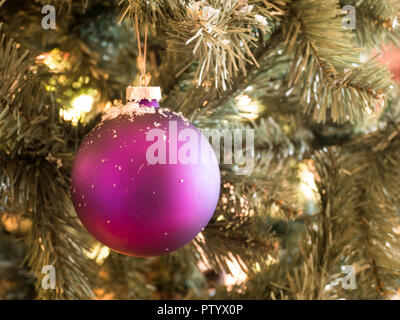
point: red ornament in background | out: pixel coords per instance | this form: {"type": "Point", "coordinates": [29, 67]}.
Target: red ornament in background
{"type": "Point", "coordinates": [390, 55]}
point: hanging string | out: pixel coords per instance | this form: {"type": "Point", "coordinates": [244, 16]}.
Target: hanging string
{"type": "Point", "coordinates": [145, 48]}
{"type": "Point", "coordinates": [142, 58]}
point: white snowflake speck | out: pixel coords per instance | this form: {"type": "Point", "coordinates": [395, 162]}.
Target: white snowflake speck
{"type": "Point", "coordinates": [131, 109]}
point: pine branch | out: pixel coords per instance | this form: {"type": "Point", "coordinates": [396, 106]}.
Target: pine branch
{"type": "Point", "coordinates": [220, 37]}
{"type": "Point", "coordinates": [374, 167]}
{"type": "Point", "coordinates": [331, 82]}
{"type": "Point", "coordinates": [306, 274]}
{"type": "Point", "coordinates": [149, 12]}
{"type": "Point", "coordinates": [15, 280]}
{"type": "Point", "coordinates": [124, 277]}
{"type": "Point", "coordinates": [359, 195]}
{"type": "Point", "coordinates": [250, 204]}
{"type": "Point", "coordinates": [376, 21]}
{"type": "Point", "coordinates": [35, 180]}
{"type": "Point", "coordinates": [200, 104]}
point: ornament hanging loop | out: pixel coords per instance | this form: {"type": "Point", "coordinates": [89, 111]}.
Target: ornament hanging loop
{"type": "Point", "coordinates": [142, 57]}
{"type": "Point", "coordinates": [141, 80]}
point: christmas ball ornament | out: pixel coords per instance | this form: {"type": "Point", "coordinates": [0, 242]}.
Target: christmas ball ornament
{"type": "Point", "coordinates": [145, 181]}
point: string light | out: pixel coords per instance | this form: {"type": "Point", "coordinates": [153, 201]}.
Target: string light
{"type": "Point", "coordinates": [80, 106]}
{"type": "Point", "coordinates": [307, 183]}
{"type": "Point", "coordinates": [58, 61]}
{"type": "Point", "coordinates": [236, 273]}
{"type": "Point", "coordinates": [55, 60]}
{"type": "Point", "coordinates": [236, 276]}
{"type": "Point", "coordinates": [16, 223]}
{"type": "Point", "coordinates": [248, 108]}
{"type": "Point", "coordinates": [83, 103]}
{"type": "Point", "coordinates": [98, 252]}
{"type": "Point", "coordinates": [395, 23]}
{"type": "Point", "coordinates": [107, 106]}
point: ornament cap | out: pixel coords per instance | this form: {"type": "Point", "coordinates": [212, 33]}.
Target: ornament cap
{"type": "Point", "coordinates": [143, 93]}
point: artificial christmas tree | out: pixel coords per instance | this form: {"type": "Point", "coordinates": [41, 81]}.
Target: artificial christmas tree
{"type": "Point", "coordinates": [305, 132]}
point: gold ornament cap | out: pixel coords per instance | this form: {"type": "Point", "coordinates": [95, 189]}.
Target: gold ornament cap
{"type": "Point", "coordinates": [143, 93]}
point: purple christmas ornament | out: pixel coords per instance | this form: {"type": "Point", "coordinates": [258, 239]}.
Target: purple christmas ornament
{"type": "Point", "coordinates": [145, 181]}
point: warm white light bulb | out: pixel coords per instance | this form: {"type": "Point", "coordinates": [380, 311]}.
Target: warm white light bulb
{"type": "Point", "coordinates": [307, 183]}
{"type": "Point", "coordinates": [249, 109]}
{"type": "Point", "coordinates": [83, 103]}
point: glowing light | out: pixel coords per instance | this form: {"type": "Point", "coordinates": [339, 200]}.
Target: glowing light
{"type": "Point", "coordinates": [16, 223]}
{"type": "Point", "coordinates": [107, 106]}
{"type": "Point", "coordinates": [236, 276]}
{"type": "Point", "coordinates": [55, 60]}
{"type": "Point", "coordinates": [102, 294]}
{"type": "Point", "coordinates": [11, 223]}
{"type": "Point", "coordinates": [396, 296]}
{"type": "Point", "coordinates": [395, 23]}
{"type": "Point", "coordinates": [80, 105]}
{"type": "Point", "coordinates": [271, 260]}
{"type": "Point", "coordinates": [307, 183]}
{"type": "Point", "coordinates": [248, 108]}
{"type": "Point", "coordinates": [83, 103]}
{"type": "Point", "coordinates": [243, 100]}
{"type": "Point", "coordinates": [274, 211]}
{"type": "Point", "coordinates": [364, 57]}
{"type": "Point", "coordinates": [99, 253]}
